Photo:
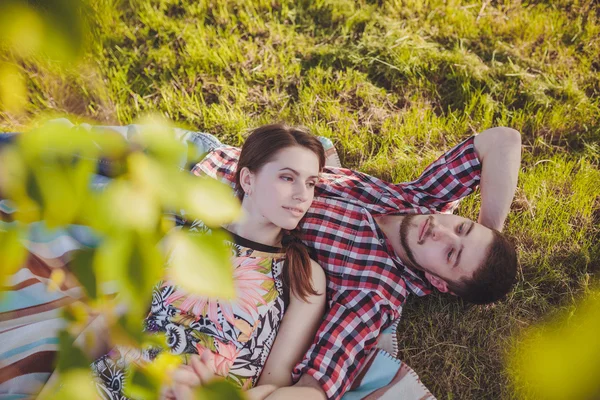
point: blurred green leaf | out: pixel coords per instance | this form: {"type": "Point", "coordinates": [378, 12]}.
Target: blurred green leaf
{"type": "Point", "coordinates": [13, 90]}
{"type": "Point", "coordinates": [209, 200]}
{"type": "Point", "coordinates": [219, 389]}
{"type": "Point", "coordinates": [128, 207]}
{"type": "Point", "coordinates": [76, 314]}
{"type": "Point", "coordinates": [141, 385]}
{"type": "Point", "coordinates": [82, 268]}
{"type": "Point", "coordinates": [134, 262]}
{"type": "Point", "coordinates": [561, 359]}
{"type": "Point", "coordinates": [51, 168]}
{"type": "Point", "coordinates": [158, 140]}
{"type": "Point", "coordinates": [70, 356]}
{"type": "Point", "coordinates": [111, 256]}
{"type": "Point", "coordinates": [63, 189]}
{"type": "Point", "coordinates": [21, 28]}
{"type": "Point", "coordinates": [75, 384]}
{"type": "Point", "coordinates": [128, 330]}
{"type": "Point", "coordinates": [17, 184]}
{"type": "Point", "coordinates": [12, 252]}
{"type": "Point", "coordinates": [57, 29]}
{"type": "Point", "coordinates": [112, 145]}
{"type": "Point", "coordinates": [55, 141]}
{"type": "Point", "coordinates": [147, 380]}
{"type": "Point", "coordinates": [200, 264]}
{"type": "Point", "coordinates": [145, 267]}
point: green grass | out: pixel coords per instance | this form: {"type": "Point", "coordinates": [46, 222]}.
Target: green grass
{"type": "Point", "coordinates": [393, 83]}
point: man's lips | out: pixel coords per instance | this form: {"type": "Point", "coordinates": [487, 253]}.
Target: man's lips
{"type": "Point", "coordinates": [294, 210]}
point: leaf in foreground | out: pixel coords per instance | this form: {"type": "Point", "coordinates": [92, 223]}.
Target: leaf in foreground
{"type": "Point", "coordinates": [200, 264]}
{"type": "Point", "coordinates": [561, 360]}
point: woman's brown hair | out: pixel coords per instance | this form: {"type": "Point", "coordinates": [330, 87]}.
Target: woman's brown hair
{"type": "Point", "coordinates": [261, 147]}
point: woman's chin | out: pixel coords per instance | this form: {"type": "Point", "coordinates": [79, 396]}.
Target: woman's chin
{"type": "Point", "coordinates": [289, 224]}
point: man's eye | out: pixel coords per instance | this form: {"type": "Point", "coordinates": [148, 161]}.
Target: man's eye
{"type": "Point", "coordinates": [461, 227]}
{"type": "Point", "coordinates": [450, 254]}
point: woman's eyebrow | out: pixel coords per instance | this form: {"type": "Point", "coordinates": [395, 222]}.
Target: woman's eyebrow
{"type": "Point", "coordinates": [297, 173]}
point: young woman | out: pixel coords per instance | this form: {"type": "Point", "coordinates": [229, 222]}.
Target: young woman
{"type": "Point", "coordinates": [248, 340]}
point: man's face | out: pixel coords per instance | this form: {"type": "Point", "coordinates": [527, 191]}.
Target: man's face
{"type": "Point", "coordinates": [446, 247]}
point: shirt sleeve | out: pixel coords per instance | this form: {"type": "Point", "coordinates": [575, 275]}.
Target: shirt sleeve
{"type": "Point", "coordinates": [451, 177]}
{"type": "Point", "coordinates": [220, 164]}
{"type": "Point", "coordinates": [343, 340]}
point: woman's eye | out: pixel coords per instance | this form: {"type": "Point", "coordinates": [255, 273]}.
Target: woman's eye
{"type": "Point", "coordinates": [311, 184]}
{"type": "Point", "coordinates": [287, 178]}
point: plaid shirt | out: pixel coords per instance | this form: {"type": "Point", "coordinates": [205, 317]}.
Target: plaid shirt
{"type": "Point", "coordinates": [367, 283]}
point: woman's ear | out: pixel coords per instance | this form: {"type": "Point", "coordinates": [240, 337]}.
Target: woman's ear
{"type": "Point", "coordinates": [246, 180]}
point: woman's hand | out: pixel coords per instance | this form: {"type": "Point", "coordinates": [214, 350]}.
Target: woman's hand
{"type": "Point", "coordinates": [188, 377]}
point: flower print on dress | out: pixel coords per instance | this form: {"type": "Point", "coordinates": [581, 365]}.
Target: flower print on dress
{"type": "Point", "coordinates": [159, 295]}
{"type": "Point", "coordinates": [250, 283]}
{"type": "Point", "coordinates": [219, 362]}
{"type": "Point", "coordinates": [109, 378]}
{"type": "Point", "coordinates": [176, 338]}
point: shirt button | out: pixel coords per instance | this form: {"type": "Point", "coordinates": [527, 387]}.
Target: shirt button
{"type": "Point", "coordinates": [382, 241]}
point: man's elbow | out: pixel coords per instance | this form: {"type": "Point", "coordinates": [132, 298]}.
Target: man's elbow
{"type": "Point", "coordinates": [496, 138]}
{"type": "Point", "coordinates": [503, 136]}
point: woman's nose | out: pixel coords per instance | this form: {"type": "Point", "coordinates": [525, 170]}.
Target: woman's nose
{"type": "Point", "coordinates": [301, 193]}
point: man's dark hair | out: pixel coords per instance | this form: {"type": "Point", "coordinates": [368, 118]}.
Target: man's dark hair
{"type": "Point", "coordinates": [494, 278]}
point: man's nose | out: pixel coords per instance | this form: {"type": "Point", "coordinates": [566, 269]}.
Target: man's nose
{"type": "Point", "coordinates": [443, 234]}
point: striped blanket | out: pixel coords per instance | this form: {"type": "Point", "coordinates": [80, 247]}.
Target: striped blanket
{"type": "Point", "coordinates": [30, 313]}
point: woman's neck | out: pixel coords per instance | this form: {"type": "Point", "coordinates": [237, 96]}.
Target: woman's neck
{"type": "Point", "coordinates": [256, 228]}
{"type": "Point", "coordinates": [267, 235]}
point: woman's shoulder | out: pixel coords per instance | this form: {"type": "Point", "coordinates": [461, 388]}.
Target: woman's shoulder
{"type": "Point", "coordinates": [318, 278]}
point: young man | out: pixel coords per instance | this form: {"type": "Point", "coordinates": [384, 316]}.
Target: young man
{"type": "Point", "coordinates": [371, 236]}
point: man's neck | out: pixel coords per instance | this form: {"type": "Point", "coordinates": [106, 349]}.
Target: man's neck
{"type": "Point", "coordinates": [390, 226]}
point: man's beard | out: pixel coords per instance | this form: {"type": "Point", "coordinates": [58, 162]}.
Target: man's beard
{"type": "Point", "coordinates": [404, 227]}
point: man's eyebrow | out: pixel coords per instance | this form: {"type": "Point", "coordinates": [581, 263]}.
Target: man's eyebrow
{"type": "Point", "coordinates": [470, 228]}
{"type": "Point", "coordinates": [461, 249]}
{"type": "Point", "coordinates": [297, 173]}
{"type": "Point", "coordinates": [458, 256]}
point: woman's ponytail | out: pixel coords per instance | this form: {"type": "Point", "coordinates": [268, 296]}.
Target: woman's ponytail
{"type": "Point", "coordinates": [298, 277]}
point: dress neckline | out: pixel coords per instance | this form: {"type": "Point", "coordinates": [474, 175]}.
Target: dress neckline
{"type": "Point", "coordinates": [237, 239]}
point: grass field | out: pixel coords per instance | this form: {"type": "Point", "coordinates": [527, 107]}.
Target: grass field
{"type": "Point", "coordinates": [393, 84]}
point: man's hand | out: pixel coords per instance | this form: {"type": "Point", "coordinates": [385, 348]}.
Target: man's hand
{"type": "Point", "coordinates": [188, 377]}
{"type": "Point", "coordinates": [499, 151]}
{"type": "Point", "coordinates": [306, 388]}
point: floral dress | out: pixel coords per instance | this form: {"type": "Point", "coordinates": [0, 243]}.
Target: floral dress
{"type": "Point", "coordinates": [238, 334]}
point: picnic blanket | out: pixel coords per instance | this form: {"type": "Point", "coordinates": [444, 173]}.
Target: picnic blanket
{"type": "Point", "coordinates": [30, 313]}
{"type": "Point", "coordinates": [30, 310]}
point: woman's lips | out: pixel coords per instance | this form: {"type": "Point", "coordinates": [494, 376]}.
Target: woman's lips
{"type": "Point", "coordinates": [295, 211]}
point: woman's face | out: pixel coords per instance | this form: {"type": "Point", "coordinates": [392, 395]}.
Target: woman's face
{"type": "Point", "coordinates": [284, 188]}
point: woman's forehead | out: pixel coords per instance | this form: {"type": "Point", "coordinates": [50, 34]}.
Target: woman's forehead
{"type": "Point", "coordinates": [299, 159]}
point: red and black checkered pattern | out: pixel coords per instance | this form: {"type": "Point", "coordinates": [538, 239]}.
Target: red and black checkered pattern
{"type": "Point", "coordinates": [367, 284]}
